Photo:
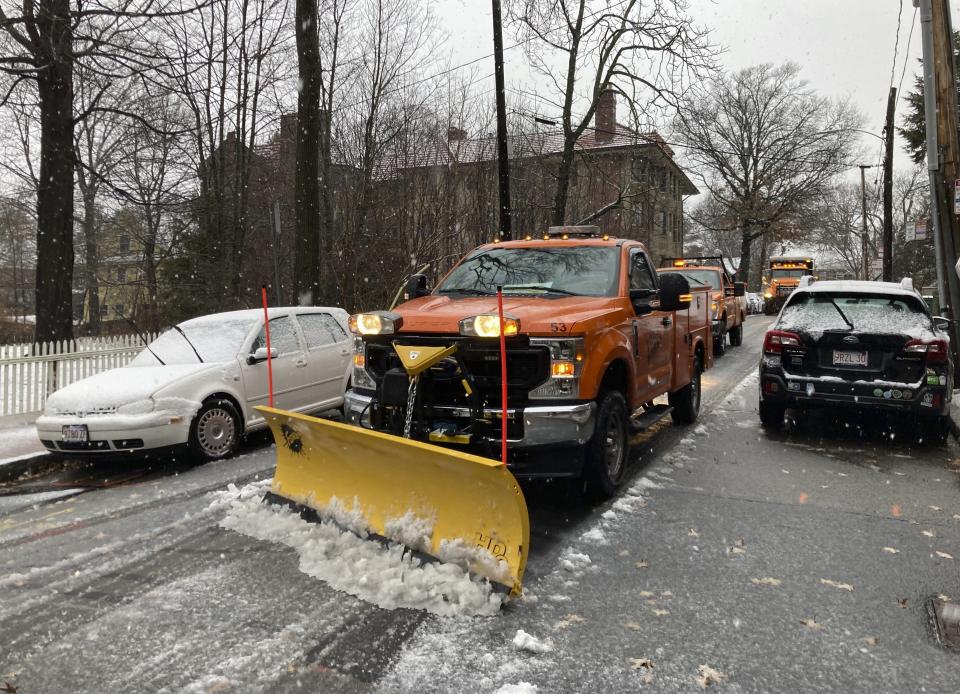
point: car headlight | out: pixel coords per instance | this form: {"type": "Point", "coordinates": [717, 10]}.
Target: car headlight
{"type": "Point", "coordinates": [144, 406]}
{"type": "Point", "coordinates": [375, 323]}
{"type": "Point", "coordinates": [488, 325]}
{"type": "Point", "coordinates": [566, 365]}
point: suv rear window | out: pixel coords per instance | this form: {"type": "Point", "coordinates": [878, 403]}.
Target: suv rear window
{"type": "Point", "coordinates": [814, 313]}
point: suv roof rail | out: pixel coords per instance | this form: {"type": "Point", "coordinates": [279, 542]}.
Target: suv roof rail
{"type": "Point", "coordinates": [907, 284]}
{"type": "Point", "coordinates": [807, 280]}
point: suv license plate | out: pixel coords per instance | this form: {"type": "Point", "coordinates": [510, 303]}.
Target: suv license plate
{"type": "Point", "coordinates": [75, 433]}
{"type": "Point", "coordinates": [849, 358]}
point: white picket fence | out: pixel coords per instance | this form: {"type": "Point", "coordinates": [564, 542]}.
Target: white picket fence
{"type": "Point", "coordinates": [30, 372]}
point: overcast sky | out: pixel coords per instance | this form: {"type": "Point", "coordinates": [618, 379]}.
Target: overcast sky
{"type": "Point", "coordinates": [845, 47]}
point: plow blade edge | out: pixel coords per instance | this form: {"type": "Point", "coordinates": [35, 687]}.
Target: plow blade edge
{"type": "Point", "coordinates": [472, 508]}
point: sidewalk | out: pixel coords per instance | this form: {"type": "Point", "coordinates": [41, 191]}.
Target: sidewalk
{"type": "Point", "coordinates": [18, 440]}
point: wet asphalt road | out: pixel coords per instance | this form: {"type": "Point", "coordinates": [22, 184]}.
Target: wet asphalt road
{"type": "Point", "coordinates": [792, 562]}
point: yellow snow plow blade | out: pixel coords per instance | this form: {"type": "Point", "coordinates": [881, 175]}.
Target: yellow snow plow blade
{"type": "Point", "coordinates": [473, 505]}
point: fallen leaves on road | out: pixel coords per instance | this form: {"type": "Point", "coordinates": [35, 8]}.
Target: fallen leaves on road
{"type": "Point", "coordinates": [646, 594]}
{"type": "Point", "coordinates": [836, 584]}
{"type": "Point", "coordinates": [632, 626]}
{"type": "Point", "coordinates": [902, 602]}
{"type": "Point", "coordinates": [766, 581]}
{"type": "Point", "coordinates": [942, 555]}
{"type": "Point", "coordinates": [568, 621]}
{"type": "Point", "coordinates": [640, 564]}
{"type": "Point", "coordinates": [928, 533]}
{"type": "Point", "coordinates": [811, 624]}
{"type": "Point", "coordinates": [891, 550]}
{"type": "Point", "coordinates": [871, 640]}
{"type": "Point", "coordinates": [737, 550]}
{"type": "Point", "coordinates": [707, 676]}
{"type": "Point", "coordinates": [693, 533]}
{"type": "Point", "coordinates": [659, 613]}
{"type": "Point", "coordinates": [666, 594]}
{"type": "Point", "coordinates": [624, 552]}
{"type": "Point", "coordinates": [896, 510]}
{"type": "Point", "coordinates": [641, 663]}
{"type": "Point", "coordinates": [956, 516]}
{"type": "Point", "coordinates": [803, 497]}
{"type": "Point", "coordinates": [934, 508]}
{"type": "Point", "coordinates": [943, 598]}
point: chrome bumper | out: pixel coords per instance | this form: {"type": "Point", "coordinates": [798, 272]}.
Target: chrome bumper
{"type": "Point", "coordinates": [543, 425]}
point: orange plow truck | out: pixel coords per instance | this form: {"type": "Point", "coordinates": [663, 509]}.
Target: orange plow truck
{"type": "Point", "coordinates": [593, 339]}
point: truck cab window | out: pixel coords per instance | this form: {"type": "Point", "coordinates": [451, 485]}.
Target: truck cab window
{"type": "Point", "coordinates": [641, 275]}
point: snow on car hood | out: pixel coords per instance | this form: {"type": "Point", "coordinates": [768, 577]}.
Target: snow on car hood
{"type": "Point", "coordinates": [106, 391]}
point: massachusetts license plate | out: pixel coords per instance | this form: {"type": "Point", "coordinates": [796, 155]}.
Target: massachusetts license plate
{"type": "Point", "coordinates": [75, 433]}
{"type": "Point", "coordinates": [849, 358]}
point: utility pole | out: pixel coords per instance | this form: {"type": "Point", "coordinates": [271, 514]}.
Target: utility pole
{"type": "Point", "coordinates": [888, 188]}
{"type": "Point", "coordinates": [940, 106]}
{"type": "Point", "coordinates": [503, 161]}
{"type": "Point", "coordinates": [864, 263]}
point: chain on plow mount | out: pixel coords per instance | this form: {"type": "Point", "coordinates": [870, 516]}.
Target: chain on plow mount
{"type": "Point", "coordinates": [411, 400]}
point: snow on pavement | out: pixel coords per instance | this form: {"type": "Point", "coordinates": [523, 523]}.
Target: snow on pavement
{"type": "Point", "coordinates": [387, 576]}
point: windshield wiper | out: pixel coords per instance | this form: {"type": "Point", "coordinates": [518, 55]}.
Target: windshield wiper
{"type": "Point", "coordinates": [143, 339]}
{"type": "Point", "coordinates": [539, 287]}
{"type": "Point", "coordinates": [842, 314]}
{"type": "Point", "coordinates": [464, 290]}
{"type": "Point", "coordinates": [694, 279]}
{"type": "Point", "coordinates": [199, 358]}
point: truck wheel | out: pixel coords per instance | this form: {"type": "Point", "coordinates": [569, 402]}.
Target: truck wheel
{"type": "Point", "coordinates": [771, 415]}
{"type": "Point", "coordinates": [215, 431]}
{"type": "Point", "coordinates": [686, 401]}
{"type": "Point", "coordinates": [736, 335]}
{"type": "Point", "coordinates": [720, 343]}
{"type": "Point", "coordinates": [608, 451]}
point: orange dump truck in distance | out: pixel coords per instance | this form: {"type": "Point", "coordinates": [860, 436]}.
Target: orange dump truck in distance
{"type": "Point", "coordinates": [783, 277]}
{"type": "Point", "coordinates": [593, 337]}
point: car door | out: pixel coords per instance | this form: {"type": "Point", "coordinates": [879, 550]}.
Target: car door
{"type": "Point", "coordinates": [329, 355]}
{"type": "Point", "coordinates": [653, 332]}
{"type": "Point", "coordinates": [289, 368]}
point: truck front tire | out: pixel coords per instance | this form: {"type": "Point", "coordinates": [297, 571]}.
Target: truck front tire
{"type": "Point", "coordinates": [686, 401]}
{"type": "Point", "coordinates": [736, 335]}
{"type": "Point", "coordinates": [720, 343]}
{"type": "Point", "coordinates": [607, 453]}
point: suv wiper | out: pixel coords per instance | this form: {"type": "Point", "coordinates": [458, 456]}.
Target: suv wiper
{"type": "Point", "coordinates": [842, 314]}
{"type": "Point", "coordinates": [539, 287]}
{"type": "Point", "coordinates": [464, 290]}
{"type": "Point", "coordinates": [177, 328]}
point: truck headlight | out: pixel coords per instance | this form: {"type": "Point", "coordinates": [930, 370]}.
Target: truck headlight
{"type": "Point", "coordinates": [566, 365]}
{"type": "Point", "coordinates": [361, 378]}
{"type": "Point", "coordinates": [488, 325]}
{"type": "Point", "coordinates": [375, 323]}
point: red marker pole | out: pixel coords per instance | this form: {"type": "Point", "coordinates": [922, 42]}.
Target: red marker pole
{"type": "Point", "coordinates": [503, 379]}
{"type": "Point", "coordinates": [266, 327]}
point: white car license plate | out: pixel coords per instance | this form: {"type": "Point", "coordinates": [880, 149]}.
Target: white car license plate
{"type": "Point", "coordinates": [849, 358]}
{"type": "Point", "coordinates": [75, 433]}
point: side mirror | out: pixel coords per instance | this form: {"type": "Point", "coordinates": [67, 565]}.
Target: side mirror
{"type": "Point", "coordinates": [739, 288]}
{"type": "Point", "coordinates": [640, 298]}
{"type": "Point", "coordinates": [942, 323]}
{"type": "Point", "coordinates": [261, 355]}
{"type": "Point", "coordinates": [415, 287]}
{"type": "Point", "coordinates": [674, 292]}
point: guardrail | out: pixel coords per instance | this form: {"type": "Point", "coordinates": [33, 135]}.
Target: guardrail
{"type": "Point", "coordinates": [30, 372]}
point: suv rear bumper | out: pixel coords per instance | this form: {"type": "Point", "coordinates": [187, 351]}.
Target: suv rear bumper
{"type": "Point", "coordinates": [543, 425]}
{"type": "Point", "coordinates": [803, 391]}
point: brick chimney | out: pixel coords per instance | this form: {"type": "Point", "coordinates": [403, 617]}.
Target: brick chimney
{"type": "Point", "coordinates": [605, 120]}
{"type": "Point", "coordinates": [288, 126]}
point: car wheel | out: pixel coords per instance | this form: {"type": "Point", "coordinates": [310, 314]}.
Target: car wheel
{"type": "Point", "coordinates": [686, 401]}
{"type": "Point", "coordinates": [608, 451]}
{"type": "Point", "coordinates": [216, 430]}
{"type": "Point", "coordinates": [771, 415]}
{"type": "Point", "coordinates": [934, 431]}
{"type": "Point", "coordinates": [736, 335]}
{"type": "Point", "coordinates": [720, 343]}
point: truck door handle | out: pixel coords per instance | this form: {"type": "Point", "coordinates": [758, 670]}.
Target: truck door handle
{"type": "Point", "coordinates": [666, 321]}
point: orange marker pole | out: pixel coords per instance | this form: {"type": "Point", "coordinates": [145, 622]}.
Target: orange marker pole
{"type": "Point", "coordinates": [266, 327]}
{"type": "Point", "coordinates": [503, 379]}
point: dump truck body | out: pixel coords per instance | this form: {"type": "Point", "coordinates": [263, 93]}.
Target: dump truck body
{"type": "Point", "coordinates": [782, 279]}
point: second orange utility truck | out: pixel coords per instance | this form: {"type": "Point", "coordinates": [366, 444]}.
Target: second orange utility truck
{"type": "Point", "coordinates": [783, 277]}
{"type": "Point", "coordinates": [728, 305]}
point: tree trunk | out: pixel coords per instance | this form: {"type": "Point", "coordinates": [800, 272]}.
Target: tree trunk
{"type": "Point", "coordinates": [54, 277]}
{"type": "Point", "coordinates": [150, 269]}
{"type": "Point", "coordinates": [563, 184]}
{"type": "Point", "coordinates": [308, 229]}
{"type": "Point", "coordinates": [91, 279]}
{"type": "Point", "coordinates": [746, 241]}
{"type": "Point", "coordinates": [328, 279]}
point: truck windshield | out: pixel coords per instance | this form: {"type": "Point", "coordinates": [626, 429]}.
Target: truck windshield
{"type": "Point", "coordinates": [553, 272]}
{"type": "Point", "coordinates": [789, 274]}
{"type": "Point", "coordinates": [702, 277]}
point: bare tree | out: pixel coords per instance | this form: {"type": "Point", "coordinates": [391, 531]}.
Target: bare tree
{"type": "Point", "coordinates": [766, 144]}
{"type": "Point", "coordinates": [650, 53]}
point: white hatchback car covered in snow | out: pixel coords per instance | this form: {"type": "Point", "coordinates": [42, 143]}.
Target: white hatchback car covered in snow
{"type": "Point", "coordinates": [199, 382]}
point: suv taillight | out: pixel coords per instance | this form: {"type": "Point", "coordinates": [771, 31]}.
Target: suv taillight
{"type": "Point", "coordinates": [935, 350]}
{"type": "Point", "coordinates": [776, 340]}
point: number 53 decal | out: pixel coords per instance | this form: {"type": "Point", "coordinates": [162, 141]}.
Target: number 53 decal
{"type": "Point", "coordinates": [558, 327]}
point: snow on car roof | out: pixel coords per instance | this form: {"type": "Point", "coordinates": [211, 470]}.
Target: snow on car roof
{"type": "Point", "coordinates": [858, 287]}
{"type": "Point", "coordinates": [257, 313]}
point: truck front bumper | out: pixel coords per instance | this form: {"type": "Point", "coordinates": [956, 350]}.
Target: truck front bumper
{"type": "Point", "coordinates": [543, 425]}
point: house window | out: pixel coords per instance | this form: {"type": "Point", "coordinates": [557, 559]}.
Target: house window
{"type": "Point", "coordinates": [118, 310]}
{"type": "Point", "coordinates": [663, 223]}
{"type": "Point", "coordinates": [103, 310]}
{"type": "Point", "coordinates": [121, 275]}
{"type": "Point", "coordinates": [638, 216]}
{"type": "Point", "coordinates": [124, 244]}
